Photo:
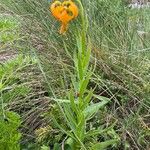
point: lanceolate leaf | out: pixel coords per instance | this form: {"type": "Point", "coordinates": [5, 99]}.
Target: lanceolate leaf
{"type": "Point", "coordinates": [95, 132]}
{"type": "Point", "coordinates": [87, 99]}
{"type": "Point", "coordinates": [70, 117]}
{"type": "Point", "coordinates": [102, 98]}
{"type": "Point", "coordinates": [103, 145]}
{"type": "Point", "coordinates": [72, 101]}
{"type": "Point", "coordinates": [93, 109]}
{"type": "Point", "coordinates": [81, 127]}
{"type": "Point", "coordinates": [86, 60]}
{"type": "Point", "coordinates": [84, 84]}
{"type": "Point", "coordinates": [62, 129]}
{"type": "Point", "coordinates": [80, 68]}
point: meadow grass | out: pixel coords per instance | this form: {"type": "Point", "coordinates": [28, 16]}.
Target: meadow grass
{"type": "Point", "coordinates": [120, 51]}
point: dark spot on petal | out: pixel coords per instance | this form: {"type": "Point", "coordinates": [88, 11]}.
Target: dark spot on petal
{"type": "Point", "coordinates": [70, 13]}
{"type": "Point", "coordinates": [56, 5]}
{"type": "Point", "coordinates": [67, 4]}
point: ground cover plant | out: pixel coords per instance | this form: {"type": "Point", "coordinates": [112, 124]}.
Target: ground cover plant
{"type": "Point", "coordinates": [16, 85]}
{"type": "Point", "coordinates": [85, 89]}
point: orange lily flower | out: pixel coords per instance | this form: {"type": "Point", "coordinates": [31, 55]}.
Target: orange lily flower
{"type": "Point", "coordinates": [72, 7]}
{"type": "Point", "coordinates": [56, 8]}
{"type": "Point", "coordinates": [64, 12]}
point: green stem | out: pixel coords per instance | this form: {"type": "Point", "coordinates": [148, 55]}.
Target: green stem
{"type": "Point", "coordinates": [84, 27]}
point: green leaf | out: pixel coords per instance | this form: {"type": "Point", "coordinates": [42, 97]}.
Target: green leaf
{"type": "Point", "coordinates": [57, 146]}
{"type": "Point", "coordinates": [95, 132]}
{"type": "Point", "coordinates": [70, 117]}
{"type": "Point", "coordinates": [62, 129]}
{"type": "Point", "coordinates": [79, 43]}
{"type": "Point", "coordinates": [80, 68]}
{"type": "Point", "coordinates": [81, 127]}
{"type": "Point", "coordinates": [99, 131]}
{"type": "Point", "coordinates": [102, 98]}
{"type": "Point", "coordinates": [60, 100]}
{"type": "Point", "coordinates": [72, 101]}
{"type": "Point", "coordinates": [103, 145]}
{"type": "Point", "coordinates": [45, 147]}
{"type": "Point", "coordinates": [69, 144]}
{"type": "Point", "coordinates": [75, 61]}
{"type": "Point", "coordinates": [84, 84]}
{"type": "Point", "coordinates": [66, 49]}
{"type": "Point", "coordinates": [86, 60]}
{"type": "Point", "coordinates": [93, 109]}
{"type": "Point", "coordinates": [1, 86]}
{"type": "Point", "coordinates": [87, 99]}
{"type": "Point", "coordinates": [74, 82]}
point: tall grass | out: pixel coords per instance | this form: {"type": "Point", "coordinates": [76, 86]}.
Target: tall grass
{"type": "Point", "coordinates": [121, 54]}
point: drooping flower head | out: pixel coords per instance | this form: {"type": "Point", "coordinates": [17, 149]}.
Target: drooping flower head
{"type": "Point", "coordinates": [64, 12]}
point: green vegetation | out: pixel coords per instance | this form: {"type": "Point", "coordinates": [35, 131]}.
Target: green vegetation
{"type": "Point", "coordinates": [9, 136]}
{"type": "Point", "coordinates": [88, 89]}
